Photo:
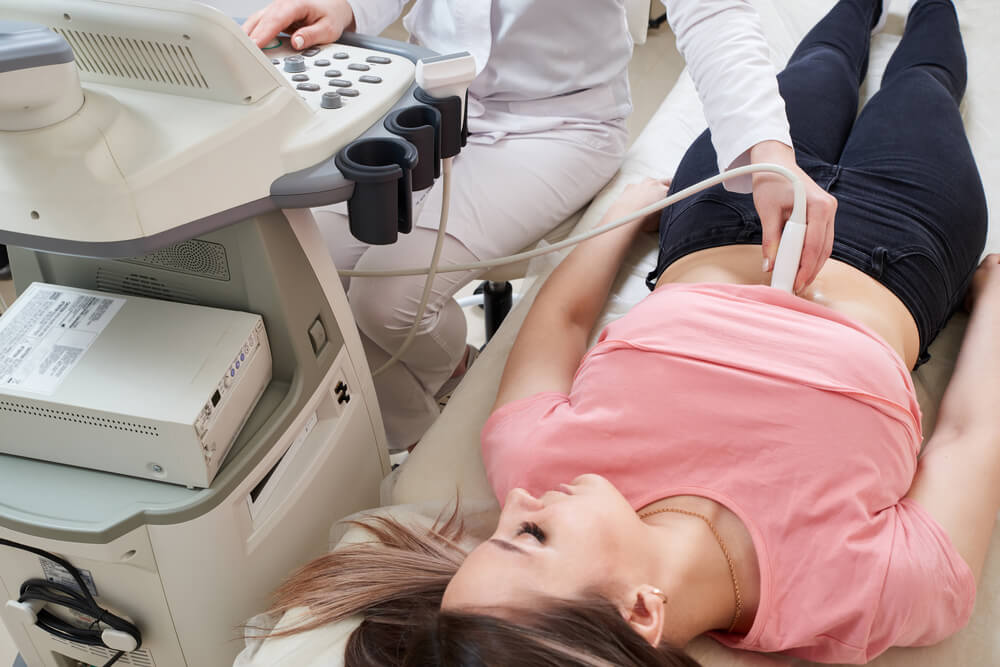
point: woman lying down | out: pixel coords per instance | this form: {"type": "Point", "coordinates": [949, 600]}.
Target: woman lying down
{"type": "Point", "coordinates": [728, 458]}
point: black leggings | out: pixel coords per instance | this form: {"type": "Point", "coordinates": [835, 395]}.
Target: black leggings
{"type": "Point", "coordinates": [911, 206]}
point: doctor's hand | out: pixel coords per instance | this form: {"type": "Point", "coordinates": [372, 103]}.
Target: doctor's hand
{"type": "Point", "coordinates": [307, 21]}
{"type": "Point", "coordinates": [773, 196]}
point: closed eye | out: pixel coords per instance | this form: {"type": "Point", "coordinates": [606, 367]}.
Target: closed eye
{"type": "Point", "coordinates": [531, 529]}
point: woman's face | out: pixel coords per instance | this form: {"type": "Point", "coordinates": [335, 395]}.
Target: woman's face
{"type": "Point", "coordinates": [561, 544]}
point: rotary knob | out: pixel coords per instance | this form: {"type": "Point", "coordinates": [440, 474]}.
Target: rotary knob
{"type": "Point", "coordinates": [331, 100]}
{"type": "Point", "coordinates": [295, 64]}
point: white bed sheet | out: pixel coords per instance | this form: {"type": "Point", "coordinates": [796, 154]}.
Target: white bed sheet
{"type": "Point", "coordinates": [447, 461]}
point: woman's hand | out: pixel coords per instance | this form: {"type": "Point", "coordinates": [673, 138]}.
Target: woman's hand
{"type": "Point", "coordinates": [773, 196]}
{"type": "Point", "coordinates": [307, 21]}
{"type": "Point", "coordinates": [988, 272]}
{"type": "Point", "coordinates": [640, 195]}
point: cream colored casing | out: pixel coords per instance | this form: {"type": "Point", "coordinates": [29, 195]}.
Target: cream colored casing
{"type": "Point", "coordinates": [188, 576]}
{"type": "Point", "coordinates": [184, 118]}
{"type": "Point", "coordinates": [178, 107]}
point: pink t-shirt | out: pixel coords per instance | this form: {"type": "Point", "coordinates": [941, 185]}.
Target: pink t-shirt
{"type": "Point", "coordinates": [800, 420]}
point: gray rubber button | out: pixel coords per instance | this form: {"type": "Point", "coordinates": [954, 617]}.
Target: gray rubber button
{"type": "Point", "coordinates": [311, 51]}
{"type": "Point", "coordinates": [368, 78]}
{"type": "Point", "coordinates": [275, 61]}
{"type": "Point", "coordinates": [332, 73]}
{"type": "Point", "coordinates": [311, 87]}
{"type": "Point", "coordinates": [359, 67]}
{"type": "Point", "coordinates": [331, 100]}
{"type": "Point", "coordinates": [341, 55]}
{"type": "Point", "coordinates": [322, 62]}
{"type": "Point", "coordinates": [378, 60]}
{"type": "Point", "coordinates": [300, 77]}
{"type": "Point", "coordinates": [340, 83]}
{"type": "Point", "coordinates": [295, 64]}
{"type": "Point", "coordinates": [348, 92]}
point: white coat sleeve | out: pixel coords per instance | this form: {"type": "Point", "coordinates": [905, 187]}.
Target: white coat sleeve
{"type": "Point", "coordinates": [371, 17]}
{"type": "Point", "coordinates": [729, 61]}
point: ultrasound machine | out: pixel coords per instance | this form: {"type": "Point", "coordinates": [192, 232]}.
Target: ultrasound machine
{"type": "Point", "coordinates": [185, 406]}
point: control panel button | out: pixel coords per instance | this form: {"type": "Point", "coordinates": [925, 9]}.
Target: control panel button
{"type": "Point", "coordinates": [322, 62]}
{"type": "Point", "coordinates": [295, 64]}
{"type": "Point", "coordinates": [275, 61]}
{"type": "Point", "coordinates": [331, 100]}
{"type": "Point", "coordinates": [311, 51]}
{"type": "Point", "coordinates": [378, 60]}
{"type": "Point", "coordinates": [348, 92]}
{"type": "Point", "coordinates": [359, 67]}
{"type": "Point", "coordinates": [340, 83]}
{"type": "Point", "coordinates": [300, 77]}
{"type": "Point", "coordinates": [311, 87]}
{"type": "Point", "coordinates": [341, 55]}
{"type": "Point", "coordinates": [369, 78]}
{"type": "Point", "coordinates": [332, 73]}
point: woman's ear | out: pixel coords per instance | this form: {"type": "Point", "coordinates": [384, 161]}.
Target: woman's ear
{"type": "Point", "coordinates": [644, 610]}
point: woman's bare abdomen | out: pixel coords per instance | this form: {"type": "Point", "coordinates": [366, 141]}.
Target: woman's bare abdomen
{"type": "Point", "coordinates": [838, 286]}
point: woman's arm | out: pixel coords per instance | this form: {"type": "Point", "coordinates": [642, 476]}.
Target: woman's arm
{"type": "Point", "coordinates": [958, 478]}
{"type": "Point", "coordinates": [554, 335]}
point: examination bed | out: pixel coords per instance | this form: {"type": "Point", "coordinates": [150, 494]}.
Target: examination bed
{"type": "Point", "coordinates": [447, 461]}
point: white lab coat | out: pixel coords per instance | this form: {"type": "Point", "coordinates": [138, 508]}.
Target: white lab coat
{"type": "Point", "coordinates": [539, 61]}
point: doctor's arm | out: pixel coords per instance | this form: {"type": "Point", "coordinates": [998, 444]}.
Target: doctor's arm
{"type": "Point", "coordinates": [321, 21]}
{"type": "Point", "coordinates": [729, 61]}
{"type": "Point", "coordinates": [554, 336]}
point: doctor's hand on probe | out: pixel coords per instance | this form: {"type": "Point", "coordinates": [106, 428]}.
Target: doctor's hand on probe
{"type": "Point", "coordinates": [772, 195]}
{"type": "Point", "coordinates": [307, 21]}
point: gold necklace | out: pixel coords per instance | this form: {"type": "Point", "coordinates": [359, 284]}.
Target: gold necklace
{"type": "Point", "coordinates": [725, 552]}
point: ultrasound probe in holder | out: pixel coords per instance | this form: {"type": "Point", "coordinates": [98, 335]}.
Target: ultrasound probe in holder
{"type": "Point", "coordinates": [441, 78]}
{"type": "Point", "coordinates": [444, 76]}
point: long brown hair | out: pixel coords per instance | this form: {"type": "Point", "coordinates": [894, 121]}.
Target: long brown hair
{"type": "Point", "coordinates": [397, 581]}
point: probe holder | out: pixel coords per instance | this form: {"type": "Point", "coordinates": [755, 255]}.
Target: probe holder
{"type": "Point", "coordinates": [454, 125]}
{"type": "Point", "coordinates": [421, 126]}
{"type": "Point", "coordinates": [381, 205]}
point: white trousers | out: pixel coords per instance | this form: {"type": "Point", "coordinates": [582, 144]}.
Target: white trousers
{"type": "Point", "coordinates": [506, 194]}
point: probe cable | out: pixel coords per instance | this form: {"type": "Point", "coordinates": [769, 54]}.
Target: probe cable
{"type": "Point", "coordinates": [78, 599]}
{"type": "Point", "coordinates": [787, 260]}
{"type": "Point", "coordinates": [573, 240]}
{"type": "Point", "coordinates": [431, 271]}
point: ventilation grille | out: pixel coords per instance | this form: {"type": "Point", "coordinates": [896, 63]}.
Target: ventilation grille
{"type": "Point", "coordinates": [194, 257]}
{"type": "Point", "coordinates": [135, 59]}
{"type": "Point", "coordinates": [140, 658]}
{"type": "Point", "coordinates": [78, 418]}
{"type": "Point", "coordinates": [139, 284]}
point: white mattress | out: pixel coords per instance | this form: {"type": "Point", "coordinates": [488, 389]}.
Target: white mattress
{"type": "Point", "coordinates": [448, 460]}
